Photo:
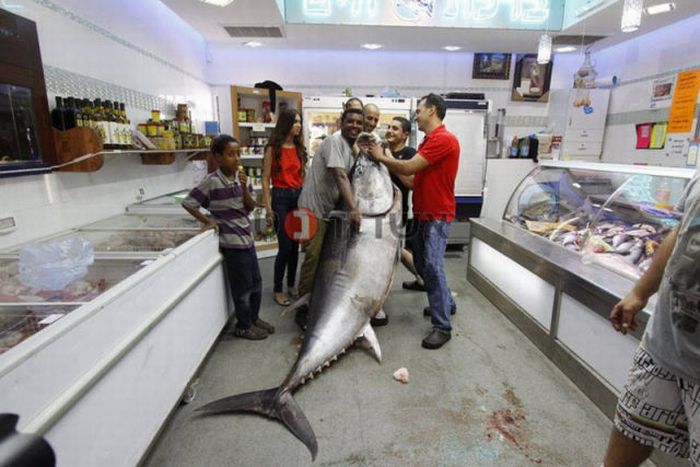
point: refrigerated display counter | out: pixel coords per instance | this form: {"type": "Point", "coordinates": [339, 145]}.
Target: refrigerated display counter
{"type": "Point", "coordinates": [183, 221]}
{"type": "Point", "coordinates": [115, 349]}
{"type": "Point", "coordinates": [171, 205]}
{"type": "Point", "coordinates": [167, 204]}
{"type": "Point", "coordinates": [573, 239]}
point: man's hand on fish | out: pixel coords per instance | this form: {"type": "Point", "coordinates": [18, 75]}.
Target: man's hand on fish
{"type": "Point", "coordinates": [376, 152]}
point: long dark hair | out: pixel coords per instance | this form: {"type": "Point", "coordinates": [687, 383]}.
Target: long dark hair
{"type": "Point", "coordinates": [285, 122]}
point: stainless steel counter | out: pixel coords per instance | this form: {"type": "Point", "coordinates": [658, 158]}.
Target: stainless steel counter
{"type": "Point", "coordinates": [597, 287]}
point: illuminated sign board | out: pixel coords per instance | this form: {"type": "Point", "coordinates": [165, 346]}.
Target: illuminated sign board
{"type": "Point", "coordinates": [578, 10]}
{"type": "Point", "coordinates": [486, 14]}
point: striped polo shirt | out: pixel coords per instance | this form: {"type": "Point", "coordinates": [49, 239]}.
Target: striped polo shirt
{"type": "Point", "coordinates": [223, 198]}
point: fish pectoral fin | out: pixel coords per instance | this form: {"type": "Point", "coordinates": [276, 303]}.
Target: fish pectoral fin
{"type": "Point", "coordinates": [371, 338]}
{"type": "Point", "coordinates": [304, 300]}
{"type": "Point", "coordinates": [272, 403]}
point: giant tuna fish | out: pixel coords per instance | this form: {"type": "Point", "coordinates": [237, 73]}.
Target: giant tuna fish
{"type": "Point", "coordinates": [353, 278]}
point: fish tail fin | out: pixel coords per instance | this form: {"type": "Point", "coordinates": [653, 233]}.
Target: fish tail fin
{"type": "Point", "coordinates": [273, 403]}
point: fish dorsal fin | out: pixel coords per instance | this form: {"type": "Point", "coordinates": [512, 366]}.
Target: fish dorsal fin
{"type": "Point", "coordinates": [368, 333]}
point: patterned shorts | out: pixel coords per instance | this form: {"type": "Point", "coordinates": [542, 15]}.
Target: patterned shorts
{"type": "Point", "coordinates": [659, 409]}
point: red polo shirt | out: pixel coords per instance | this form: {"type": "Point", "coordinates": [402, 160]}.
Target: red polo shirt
{"type": "Point", "coordinates": [434, 186]}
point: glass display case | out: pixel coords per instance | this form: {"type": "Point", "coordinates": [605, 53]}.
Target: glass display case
{"type": "Point", "coordinates": [18, 322]}
{"type": "Point", "coordinates": [146, 222]}
{"type": "Point", "coordinates": [139, 242]}
{"type": "Point", "coordinates": [101, 276]}
{"type": "Point", "coordinates": [612, 215]}
{"type": "Point", "coordinates": [25, 310]}
{"type": "Point", "coordinates": [167, 204]}
{"type": "Point", "coordinates": [129, 243]}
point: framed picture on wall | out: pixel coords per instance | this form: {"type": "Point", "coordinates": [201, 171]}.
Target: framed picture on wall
{"type": "Point", "coordinates": [531, 81]}
{"type": "Point", "coordinates": [491, 66]}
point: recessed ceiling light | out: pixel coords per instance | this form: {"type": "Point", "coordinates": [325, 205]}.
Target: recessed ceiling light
{"type": "Point", "coordinates": [452, 48]}
{"type": "Point", "coordinates": [565, 49]}
{"type": "Point", "coordinates": [372, 46]}
{"type": "Point", "coordinates": [660, 8]}
{"type": "Point", "coordinates": [218, 2]}
{"type": "Point", "coordinates": [253, 44]}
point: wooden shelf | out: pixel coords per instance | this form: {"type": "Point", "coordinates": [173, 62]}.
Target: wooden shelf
{"type": "Point", "coordinates": [266, 126]}
{"type": "Point", "coordinates": [78, 143]}
{"type": "Point", "coordinates": [262, 246]}
{"type": "Point", "coordinates": [255, 98]}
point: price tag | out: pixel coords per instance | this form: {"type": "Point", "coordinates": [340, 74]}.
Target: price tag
{"type": "Point", "coordinates": [51, 318]}
{"type": "Point", "coordinates": [259, 127]}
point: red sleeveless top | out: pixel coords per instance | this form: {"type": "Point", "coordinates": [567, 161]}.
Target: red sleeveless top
{"type": "Point", "coordinates": [289, 174]}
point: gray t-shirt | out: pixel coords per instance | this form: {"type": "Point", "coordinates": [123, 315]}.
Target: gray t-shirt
{"type": "Point", "coordinates": [673, 333]}
{"type": "Point", "coordinates": [320, 193]}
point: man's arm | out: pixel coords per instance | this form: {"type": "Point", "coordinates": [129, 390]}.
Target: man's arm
{"type": "Point", "coordinates": [407, 180]}
{"type": "Point", "coordinates": [622, 315]}
{"type": "Point", "coordinates": [399, 167]}
{"type": "Point", "coordinates": [341, 179]}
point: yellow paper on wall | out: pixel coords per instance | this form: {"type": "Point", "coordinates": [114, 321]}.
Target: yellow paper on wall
{"type": "Point", "coordinates": [683, 105]}
{"type": "Point", "coordinates": [658, 136]}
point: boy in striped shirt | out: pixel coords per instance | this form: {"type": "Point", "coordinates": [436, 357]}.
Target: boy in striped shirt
{"type": "Point", "coordinates": [226, 196]}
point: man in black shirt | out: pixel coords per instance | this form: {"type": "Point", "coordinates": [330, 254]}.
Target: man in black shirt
{"type": "Point", "coordinates": [396, 136]}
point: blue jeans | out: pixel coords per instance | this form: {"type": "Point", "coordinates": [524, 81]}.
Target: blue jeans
{"type": "Point", "coordinates": [284, 201]}
{"type": "Point", "coordinates": [245, 284]}
{"type": "Point", "coordinates": [429, 245]}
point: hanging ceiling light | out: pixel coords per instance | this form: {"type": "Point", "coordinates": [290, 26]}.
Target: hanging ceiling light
{"type": "Point", "coordinates": [544, 51]}
{"type": "Point", "coordinates": [632, 15]}
{"type": "Point", "coordinates": [221, 3]}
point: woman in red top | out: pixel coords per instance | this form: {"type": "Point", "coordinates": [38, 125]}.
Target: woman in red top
{"type": "Point", "coordinates": [284, 168]}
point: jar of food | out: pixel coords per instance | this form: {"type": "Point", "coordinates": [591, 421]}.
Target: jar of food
{"type": "Point", "coordinates": [155, 115]}
{"type": "Point", "coordinates": [242, 116]}
{"type": "Point", "coordinates": [251, 115]}
{"type": "Point", "coordinates": [143, 128]}
{"type": "Point", "coordinates": [152, 129]}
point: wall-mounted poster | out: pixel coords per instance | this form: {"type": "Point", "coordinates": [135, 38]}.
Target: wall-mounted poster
{"type": "Point", "coordinates": [661, 92]}
{"type": "Point", "coordinates": [531, 80]}
{"type": "Point", "coordinates": [491, 66]}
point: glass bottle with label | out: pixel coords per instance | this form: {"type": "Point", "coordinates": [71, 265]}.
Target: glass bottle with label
{"type": "Point", "coordinates": [69, 116]}
{"type": "Point", "coordinates": [100, 122]}
{"type": "Point", "coordinates": [58, 115]}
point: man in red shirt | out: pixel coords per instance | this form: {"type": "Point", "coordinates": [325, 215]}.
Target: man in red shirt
{"type": "Point", "coordinates": [435, 170]}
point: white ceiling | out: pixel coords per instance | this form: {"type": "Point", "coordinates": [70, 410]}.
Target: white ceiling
{"type": "Point", "coordinates": [209, 21]}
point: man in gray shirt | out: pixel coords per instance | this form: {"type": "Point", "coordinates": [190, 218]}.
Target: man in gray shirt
{"type": "Point", "coordinates": [660, 405]}
{"type": "Point", "coordinates": [326, 184]}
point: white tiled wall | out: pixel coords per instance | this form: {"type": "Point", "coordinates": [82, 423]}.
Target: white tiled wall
{"type": "Point", "coordinates": [136, 44]}
{"type": "Point", "coordinates": [637, 62]}
{"type": "Point", "coordinates": [329, 72]}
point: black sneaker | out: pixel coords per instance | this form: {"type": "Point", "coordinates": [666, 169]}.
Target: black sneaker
{"type": "Point", "coordinates": [426, 311]}
{"type": "Point", "coordinates": [253, 333]}
{"type": "Point", "coordinates": [436, 339]}
{"type": "Point", "coordinates": [414, 285]}
{"type": "Point", "coordinates": [376, 322]}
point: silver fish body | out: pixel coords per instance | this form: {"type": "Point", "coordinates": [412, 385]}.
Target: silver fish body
{"type": "Point", "coordinates": [354, 276]}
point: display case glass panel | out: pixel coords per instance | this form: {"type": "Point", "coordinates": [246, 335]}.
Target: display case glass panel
{"type": "Point", "coordinates": [136, 241]}
{"type": "Point", "coordinates": [145, 222]}
{"type": "Point", "coordinates": [612, 216]}
{"type": "Point", "coordinates": [171, 199]}
{"type": "Point", "coordinates": [17, 322]}
{"type": "Point", "coordinates": [101, 276]}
